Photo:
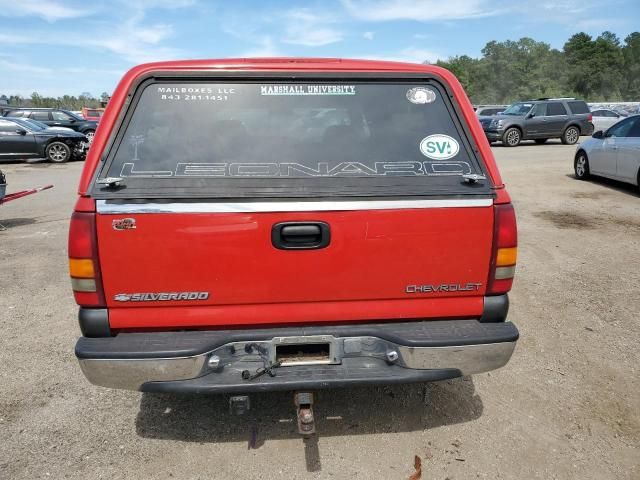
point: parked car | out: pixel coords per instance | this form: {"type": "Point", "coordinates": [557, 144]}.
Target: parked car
{"type": "Point", "coordinates": [379, 251]}
{"type": "Point", "coordinates": [22, 139]}
{"type": "Point", "coordinates": [540, 120]}
{"type": "Point", "coordinates": [39, 125]}
{"type": "Point", "coordinates": [93, 114]}
{"type": "Point", "coordinates": [55, 117]}
{"type": "Point", "coordinates": [489, 110]}
{"type": "Point", "coordinates": [603, 118]}
{"type": "Point", "coordinates": [613, 153]}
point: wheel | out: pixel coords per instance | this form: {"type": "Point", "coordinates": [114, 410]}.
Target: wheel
{"type": "Point", "coordinates": [570, 136]}
{"type": "Point", "coordinates": [581, 166]}
{"type": "Point", "coordinates": [540, 141]}
{"type": "Point", "coordinates": [512, 137]}
{"type": "Point", "coordinates": [89, 134]}
{"type": "Point", "coordinates": [58, 152]}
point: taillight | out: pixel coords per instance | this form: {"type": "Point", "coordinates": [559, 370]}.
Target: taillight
{"type": "Point", "coordinates": [83, 260]}
{"type": "Point", "coordinates": [590, 118]}
{"type": "Point", "coordinates": [505, 250]}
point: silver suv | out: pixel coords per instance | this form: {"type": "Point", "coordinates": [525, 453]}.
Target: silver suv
{"type": "Point", "coordinates": [540, 120]}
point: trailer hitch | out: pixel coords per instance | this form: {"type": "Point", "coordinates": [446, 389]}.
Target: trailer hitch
{"type": "Point", "coordinates": [304, 410]}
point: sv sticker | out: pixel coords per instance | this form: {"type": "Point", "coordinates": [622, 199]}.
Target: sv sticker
{"type": "Point", "coordinates": [439, 147]}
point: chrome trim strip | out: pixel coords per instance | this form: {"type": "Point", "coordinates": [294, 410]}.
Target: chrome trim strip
{"type": "Point", "coordinates": [131, 374]}
{"type": "Point", "coordinates": [302, 206]}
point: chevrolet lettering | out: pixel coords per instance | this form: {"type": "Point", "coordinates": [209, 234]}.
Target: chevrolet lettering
{"type": "Point", "coordinates": [445, 287]}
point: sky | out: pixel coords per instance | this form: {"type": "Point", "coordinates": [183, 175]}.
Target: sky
{"type": "Point", "coordinates": [58, 47]}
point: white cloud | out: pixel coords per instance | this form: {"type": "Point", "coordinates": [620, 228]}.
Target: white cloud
{"type": "Point", "coordinates": [11, 39]}
{"type": "Point", "coordinates": [136, 42]}
{"type": "Point", "coordinates": [302, 27]}
{"type": "Point", "coordinates": [265, 47]}
{"type": "Point", "coordinates": [49, 10]}
{"type": "Point", "coordinates": [25, 67]}
{"type": "Point", "coordinates": [408, 54]}
{"type": "Point", "coordinates": [601, 24]}
{"type": "Point", "coordinates": [164, 4]}
{"type": "Point", "coordinates": [368, 35]}
{"type": "Point", "coordinates": [131, 40]}
{"type": "Point", "coordinates": [419, 10]}
{"type": "Point", "coordinates": [298, 35]}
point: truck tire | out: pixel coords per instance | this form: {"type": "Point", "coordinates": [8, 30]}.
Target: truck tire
{"type": "Point", "coordinates": [511, 137]}
{"type": "Point", "coordinates": [571, 135]}
{"type": "Point", "coordinates": [58, 152]}
{"type": "Point", "coordinates": [581, 166]}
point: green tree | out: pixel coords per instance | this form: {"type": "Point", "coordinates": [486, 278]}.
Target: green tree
{"type": "Point", "coordinates": [631, 55]}
{"type": "Point", "coordinates": [466, 69]}
{"type": "Point", "coordinates": [596, 67]}
{"type": "Point", "coordinates": [588, 68]}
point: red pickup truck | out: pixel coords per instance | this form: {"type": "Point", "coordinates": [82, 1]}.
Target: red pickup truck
{"type": "Point", "coordinates": [290, 224]}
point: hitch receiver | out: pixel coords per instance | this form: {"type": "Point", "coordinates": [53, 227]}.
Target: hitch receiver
{"type": "Point", "coordinates": [304, 410]}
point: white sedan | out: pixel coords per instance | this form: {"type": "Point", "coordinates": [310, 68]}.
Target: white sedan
{"type": "Point", "coordinates": [604, 118]}
{"type": "Point", "coordinates": [614, 153]}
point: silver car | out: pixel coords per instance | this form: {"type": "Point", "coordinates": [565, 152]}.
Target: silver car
{"type": "Point", "coordinates": [604, 118]}
{"type": "Point", "coordinates": [613, 153]}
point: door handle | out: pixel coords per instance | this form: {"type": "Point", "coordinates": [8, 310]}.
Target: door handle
{"type": "Point", "coordinates": [300, 235]}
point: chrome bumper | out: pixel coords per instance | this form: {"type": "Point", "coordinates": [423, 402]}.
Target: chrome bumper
{"type": "Point", "coordinates": [366, 354]}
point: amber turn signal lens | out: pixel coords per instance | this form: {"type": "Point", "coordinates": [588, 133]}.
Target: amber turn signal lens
{"type": "Point", "coordinates": [81, 268]}
{"type": "Point", "coordinates": [506, 256]}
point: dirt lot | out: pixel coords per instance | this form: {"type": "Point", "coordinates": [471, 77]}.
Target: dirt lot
{"type": "Point", "coordinates": [567, 406]}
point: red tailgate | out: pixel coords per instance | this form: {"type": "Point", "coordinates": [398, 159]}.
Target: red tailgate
{"type": "Point", "coordinates": [378, 263]}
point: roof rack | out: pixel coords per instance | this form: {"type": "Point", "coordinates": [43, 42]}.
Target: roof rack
{"type": "Point", "coordinates": [557, 98]}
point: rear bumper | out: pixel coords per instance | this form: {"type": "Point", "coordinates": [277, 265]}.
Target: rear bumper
{"type": "Point", "coordinates": [359, 355]}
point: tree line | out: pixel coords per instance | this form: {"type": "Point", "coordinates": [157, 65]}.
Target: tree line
{"type": "Point", "coordinates": [68, 102]}
{"type": "Point", "coordinates": [593, 69]}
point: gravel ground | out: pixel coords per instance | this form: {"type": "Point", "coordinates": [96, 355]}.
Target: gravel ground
{"type": "Point", "coordinates": [567, 406]}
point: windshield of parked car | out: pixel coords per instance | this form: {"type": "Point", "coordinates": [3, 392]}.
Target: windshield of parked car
{"type": "Point", "coordinates": [518, 109]}
{"type": "Point", "coordinates": [36, 123]}
{"type": "Point", "coordinates": [72, 115]}
{"type": "Point", "coordinates": [31, 125]}
{"type": "Point", "coordinates": [293, 133]}
{"type": "Point", "coordinates": [26, 124]}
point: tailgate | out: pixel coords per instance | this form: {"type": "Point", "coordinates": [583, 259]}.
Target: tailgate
{"type": "Point", "coordinates": [229, 259]}
{"type": "Point", "coordinates": [274, 202]}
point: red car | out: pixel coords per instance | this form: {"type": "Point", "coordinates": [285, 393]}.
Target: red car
{"type": "Point", "coordinates": [93, 114]}
{"type": "Point", "coordinates": [290, 224]}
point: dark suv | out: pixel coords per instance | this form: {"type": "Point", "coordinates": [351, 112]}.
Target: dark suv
{"type": "Point", "coordinates": [55, 117]}
{"type": "Point", "coordinates": [540, 120]}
